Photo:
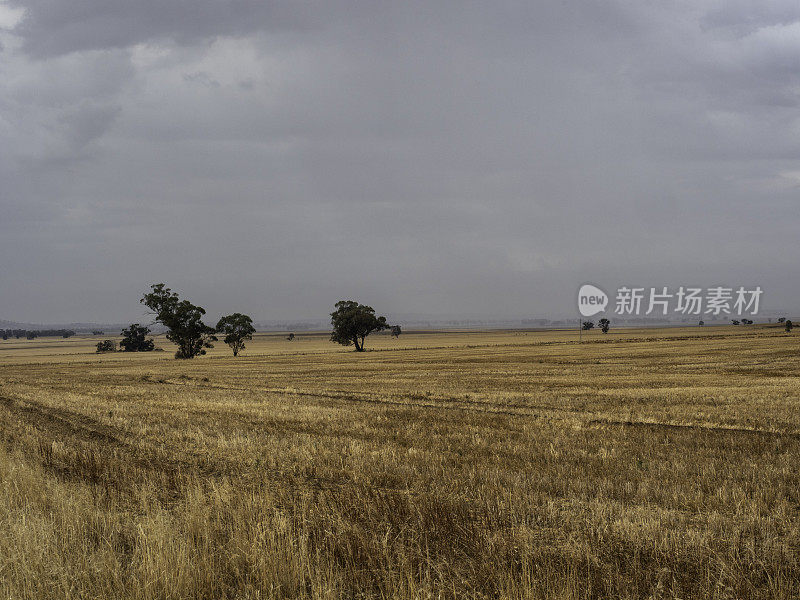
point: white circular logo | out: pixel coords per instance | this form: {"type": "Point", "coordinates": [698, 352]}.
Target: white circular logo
{"type": "Point", "coordinates": [591, 300]}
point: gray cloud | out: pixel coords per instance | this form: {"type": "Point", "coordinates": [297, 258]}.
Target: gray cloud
{"type": "Point", "coordinates": [743, 17]}
{"type": "Point", "coordinates": [51, 28]}
{"type": "Point", "coordinates": [427, 157]}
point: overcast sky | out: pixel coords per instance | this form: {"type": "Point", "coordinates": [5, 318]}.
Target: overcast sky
{"type": "Point", "coordinates": [423, 157]}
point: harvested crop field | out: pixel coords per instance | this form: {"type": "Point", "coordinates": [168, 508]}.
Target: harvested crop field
{"type": "Point", "coordinates": [649, 463]}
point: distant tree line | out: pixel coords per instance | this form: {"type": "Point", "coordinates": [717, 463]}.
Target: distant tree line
{"type": "Point", "coordinates": [31, 334]}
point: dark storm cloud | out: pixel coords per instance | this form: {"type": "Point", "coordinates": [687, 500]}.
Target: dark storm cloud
{"type": "Point", "coordinates": [428, 157]}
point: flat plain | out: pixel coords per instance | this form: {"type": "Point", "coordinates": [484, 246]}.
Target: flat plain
{"type": "Point", "coordinates": [645, 463]}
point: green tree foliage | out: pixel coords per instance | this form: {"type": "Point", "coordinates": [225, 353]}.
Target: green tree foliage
{"type": "Point", "coordinates": [604, 324]}
{"type": "Point", "coordinates": [587, 325]}
{"type": "Point", "coordinates": [237, 329]}
{"type": "Point", "coordinates": [352, 322]}
{"type": "Point", "coordinates": [183, 320]}
{"type": "Point", "coordinates": [107, 346]}
{"type": "Point", "coordinates": [134, 339]}
{"type": "Point", "coordinates": [788, 326]}
{"type": "Point", "coordinates": [396, 331]}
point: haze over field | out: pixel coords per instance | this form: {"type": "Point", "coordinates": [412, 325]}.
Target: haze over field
{"type": "Point", "coordinates": [442, 158]}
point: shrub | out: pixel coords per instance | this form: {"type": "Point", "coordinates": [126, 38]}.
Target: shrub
{"type": "Point", "coordinates": [134, 339]}
{"type": "Point", "coordinates": [107, 346]}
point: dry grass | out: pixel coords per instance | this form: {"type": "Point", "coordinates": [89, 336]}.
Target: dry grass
{"type": "Point", "coordinates": [641, 464]}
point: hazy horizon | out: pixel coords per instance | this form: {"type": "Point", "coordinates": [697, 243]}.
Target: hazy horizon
{"type": "Point", "coordinates": [423, 158]}
{"type": "Point", "coordinates": [432, 320]}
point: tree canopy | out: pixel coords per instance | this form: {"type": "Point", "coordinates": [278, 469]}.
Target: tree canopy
{"type": "Point", "coordinates": [353, 322]}
{"type": "Point", "coordinates": [183, 320]}
{"type": "Point", "coordinates": [237, 329]}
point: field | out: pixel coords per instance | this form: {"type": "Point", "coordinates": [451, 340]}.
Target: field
{"type": "Point", "coordinates": [653, 463]}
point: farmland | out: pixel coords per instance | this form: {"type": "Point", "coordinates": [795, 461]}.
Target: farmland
{"type": "Point", "coordinates": [650, 463]}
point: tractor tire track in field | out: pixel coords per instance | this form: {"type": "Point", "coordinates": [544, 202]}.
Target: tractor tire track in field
{"type": "Point", "coordinates": [77, 448]}
{"type": "Point", "coordinates": [720, 429]}
{"type": "Point", "coordinates": [97, 454]}
{"type": "Point", "coordinates": [539, 412]}
{"type": "Point", "coordinates": [402, 400]}
{"type": "Point", "coordinates": [59, 421]}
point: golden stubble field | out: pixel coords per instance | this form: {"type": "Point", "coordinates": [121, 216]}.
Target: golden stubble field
{"type": "Point", "coordinates": [651, 463]}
